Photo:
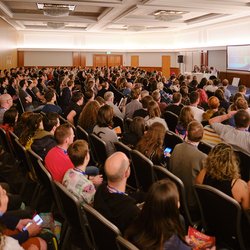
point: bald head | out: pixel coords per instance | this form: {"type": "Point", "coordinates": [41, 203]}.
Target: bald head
{"type": "Point", "coordinates": [116, 167]}
{"type": "Point", "coordinates": [6, 101]}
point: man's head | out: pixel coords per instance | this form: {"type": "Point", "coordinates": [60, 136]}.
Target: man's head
{"type": "Point", "coordinates": [194, 131]}
{"type": "Point", "coordinates": [242, 89]}
{"type": "Point", "coordinates": [51, 122]}
{"type": "Point", "coordinates": [50, 95]}
{"type": "Point", "coordinates": [117, 168]}
{"type": "Point", "coordinates": [177, 98]}
{"type": "Point", "coordinates": [6, 101]}
{"type": "Point", "coordinates": [109, 96]}
{"type": "Point", "coordinates": [136, 93]}
{"type": "Point", "coordinates": [194, 98]}
{"type": "Point", "coordinates": [78, 153]}
{"type": "Point", "coordinates": [64, 135]}
{"type": "Point", "coordinates": [242, 119]}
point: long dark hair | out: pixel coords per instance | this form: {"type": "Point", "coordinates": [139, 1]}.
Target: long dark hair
{"type": "Point", "coordinates": [159, 218]}
{"type": "Point", "coordinates": [32, 126]}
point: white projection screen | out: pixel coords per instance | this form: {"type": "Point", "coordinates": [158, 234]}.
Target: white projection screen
{"type": "Point", "coordinates": [238, 58]}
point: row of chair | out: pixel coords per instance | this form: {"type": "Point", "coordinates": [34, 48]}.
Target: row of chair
{"type": "Point", "coordinates": [83, 226]}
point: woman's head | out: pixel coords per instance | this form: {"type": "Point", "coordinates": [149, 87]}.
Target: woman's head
{"type": "Point", "coordinates": [186, 116]}
{"type": "Point", "coordinates": [222, 163]}
{"type": "Point", "coordinates": [213, 102]}
{"type": "Point", "coordinates": [203, 96]}
{"type": "Point", "coordinates": [105, 116]}
{"type": "Point", "coordinates": [159, 218]}
{"type": "Point", "coordinates": [153, 109]}
{"type": "Point", "coordinates": [162, 200]}
{"type": "Point", "coordinates": [88, 115]}
{"type": "Point", "coordinates": [10, 117]}
{"type": "Point", "coordinates": [156, 132]}
{"type": "Point", "coordinates": [137, 126]}
{"type": "Point", "coordinates": [34, 122]}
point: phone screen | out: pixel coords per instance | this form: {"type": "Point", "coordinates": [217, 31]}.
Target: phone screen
{"type": "Point", "coordinates": [167, 150]}
{"type": "Point", "coordinates": [37, 219]}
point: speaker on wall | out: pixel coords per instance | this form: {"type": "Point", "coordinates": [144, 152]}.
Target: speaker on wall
{"type": "Point", "coordinates": [180, 58]}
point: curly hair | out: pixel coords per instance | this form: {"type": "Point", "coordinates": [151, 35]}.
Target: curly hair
{"type": "Point", "coordinates": [222, 163]}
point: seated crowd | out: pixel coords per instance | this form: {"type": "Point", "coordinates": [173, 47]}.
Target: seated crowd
{"type": "Point", "coordinates": [34, 102]}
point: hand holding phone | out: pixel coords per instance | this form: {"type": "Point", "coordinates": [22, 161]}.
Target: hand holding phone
{"type": "Point", "coordinates": [37, 219]}
{"type": "Point", "coordinates": [167, 152]}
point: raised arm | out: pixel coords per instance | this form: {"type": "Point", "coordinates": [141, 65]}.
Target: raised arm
{"type": "Point", "coordinates": [221, 118]}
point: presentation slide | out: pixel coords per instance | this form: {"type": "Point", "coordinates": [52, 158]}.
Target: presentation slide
{"type": "Point", "coordinates": [238, 57]}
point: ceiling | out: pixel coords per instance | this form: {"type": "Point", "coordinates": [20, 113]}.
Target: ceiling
{"type": "Point", "coordinates": [124, 15]}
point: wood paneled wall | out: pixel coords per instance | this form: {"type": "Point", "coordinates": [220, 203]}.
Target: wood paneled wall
{"type": "Point", "coordinates": [244, 77]}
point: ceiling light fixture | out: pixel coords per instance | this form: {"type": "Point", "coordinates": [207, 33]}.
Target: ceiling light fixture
{"type": "Point", "coordinates": [55, 10]}
{"type": "Point", "coordinates": [53, 25]}
{"type": "Point", "coordinates": [168, 15]}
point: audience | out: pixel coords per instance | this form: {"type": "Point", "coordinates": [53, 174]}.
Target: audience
{"type": "Point", "coordinates": [135, 132]}
{"type": "Point", "coordinates": [186, 161]}
{"type": "Point", "coordinates": [88, 116]}
{"type": "Point", "coordinates": [135, 104]}
{"type": "Point", "coordinates": [176, 105]}
{"type": "Point", "coordinates": [57, 160]}
{"type": "Point", "coordinates": [238, 137]}
{"type": "Point", "coordinates": [151, 143]}
{"type": "Point", "coordinates": [221, 170]}
{"type": "Point", "coordinates": [34, 123]}
{"type": "Point", "coordinates": [154, 114]}
{"type": "Point", "coordinates": [185, 117]}
{"type": "Point", "coordinates": [103, 128]}
{"type": "Point", "coordinates": [67, 160]}
{"type": "Point", "coordinates": [50, 106]}
{"type": "Point", "coordinates": [110, 199]}
{"type": "Point", "coordinates": [14, 229]}
{"type": "Point", "coordinates": [194, 101]}
{"type": "Point", "coordinates": [43, 139]}
{"type": "Point", "coordinates": [6, 102]}
{"type": "Point", "coordinates": [75, 108]}
{"type": "Point", "coordinates": [76, 179]}
{"type": "Point", "coordinates": [158, 225]}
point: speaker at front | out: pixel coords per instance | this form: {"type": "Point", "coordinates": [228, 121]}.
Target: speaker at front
{"type": "Point", "coordinates": [180, 58]}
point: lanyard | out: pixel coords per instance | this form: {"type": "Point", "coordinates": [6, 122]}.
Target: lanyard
{"type": "Point", "coordinates": [114, 190]}
{"type": "Point", "coordinates": [78, 170]}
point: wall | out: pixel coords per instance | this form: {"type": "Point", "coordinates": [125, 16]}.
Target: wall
{"type": "Point", "coordinates": [47, 58]}
{"type": "Point", "coordinates": [64, 58]}
{"type": "Point", "coordinates": [218, 59]}
{"type": "Point", "coordinates": [8, 45]}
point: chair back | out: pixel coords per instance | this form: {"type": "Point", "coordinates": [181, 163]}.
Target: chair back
{"type": "Point", "coordinates": [124, 244]}
{"type": "Point", "coordinates": [13, 137]}
{"type": "Point", "coordinates": [204, 147]}
{"type": "Point", "coordinates": [23, 158]}
{"type": "Point", "coordinates": [172, 139]}
{"type": "Point", "coordinates": [118, 122]}
{"type": "Point", "coordinates": [98, 147]}
{"type": "Point", "coordinates": [4, 141]}
{"type": "Point", "coordinates": [171, 120]}
{"type": "Point", "coordinates": [104, 231]}
{"type": "Point", "coordinates": [63, 121]}
{"type": "Point", "coordinates": [221, 216]}
{"type": "Point", "coordinates": [244, 161]}
{"type": "Point", "coordinates": [75, 215]}
{"type": "Point", "coordinates": [82, 134]}
{"type": "Point", "coordinates": [163, 173]}
{"type": "Point", "coordinates": [19, 106]}
{"type": "Point", "coordinates": [143, 169]}
{"type": "Point", "coordinates": [132, 181]}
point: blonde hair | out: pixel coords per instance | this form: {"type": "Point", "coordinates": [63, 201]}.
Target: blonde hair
{"type": "Point", "coordinates": [222, 163]}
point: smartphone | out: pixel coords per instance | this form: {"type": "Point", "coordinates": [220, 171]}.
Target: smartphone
{"type": "Point", "coordinates": [37, 219]}
{"type": "Point", "coordinates": [167, 151]}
